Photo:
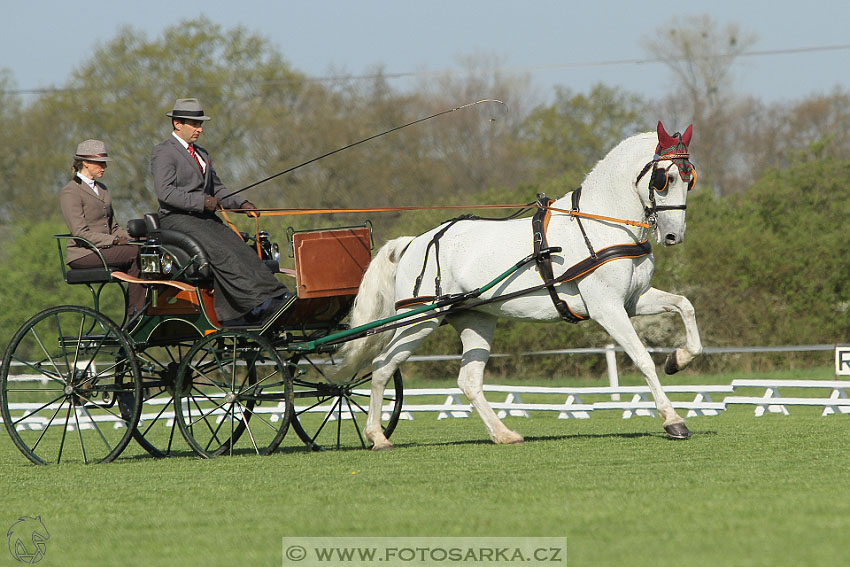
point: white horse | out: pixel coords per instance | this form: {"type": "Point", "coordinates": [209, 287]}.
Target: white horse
{"type": "Point", "coordinates": [643, 181]}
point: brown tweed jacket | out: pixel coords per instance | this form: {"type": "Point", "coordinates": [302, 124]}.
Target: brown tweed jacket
{"type": "Point", "coordinates": [89, 216]}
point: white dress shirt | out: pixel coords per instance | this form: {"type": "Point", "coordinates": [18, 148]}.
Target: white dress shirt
{"type": "Point", "coordinates": [90, 183]}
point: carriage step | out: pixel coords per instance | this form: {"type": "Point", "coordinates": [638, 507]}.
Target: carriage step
{"type": "Point", "coordinates": [87, 342]}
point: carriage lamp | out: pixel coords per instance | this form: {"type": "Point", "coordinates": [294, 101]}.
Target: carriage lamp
{"type": "Point", "coordinates": [167, 263]}
{"type": "Point", "coordinates": [271, 250]}
{"type": "Point", "coordinates": [150, 263]}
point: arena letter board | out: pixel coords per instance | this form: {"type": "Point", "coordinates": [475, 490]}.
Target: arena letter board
{"type": "Point", "coordinates": [842, 360]}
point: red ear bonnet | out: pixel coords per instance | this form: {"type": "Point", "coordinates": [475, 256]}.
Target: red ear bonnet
{"type": "Point", "coordinates": [665, 140]}
{"type": "Point", "coordinates": [686, 137]}
{"type": "Point", "coordinates": [675, 149]}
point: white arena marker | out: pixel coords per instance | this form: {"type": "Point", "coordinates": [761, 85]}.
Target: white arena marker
{"type": "Point", "coordinates": [842, 360]}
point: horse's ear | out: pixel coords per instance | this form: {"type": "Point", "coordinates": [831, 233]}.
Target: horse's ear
{"type": "Point", "coordinates": [665, 139]}
{"type": "Point", "coordinates": [686, 137]}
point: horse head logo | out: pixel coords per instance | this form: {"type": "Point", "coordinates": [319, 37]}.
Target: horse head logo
{"type": "Point", "coordinates": [28, 539]}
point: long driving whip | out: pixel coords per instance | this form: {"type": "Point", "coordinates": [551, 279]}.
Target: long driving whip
{"type": "Point", "coordinates": [364, 140]}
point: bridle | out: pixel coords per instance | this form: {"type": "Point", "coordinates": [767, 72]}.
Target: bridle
{"type": "Point", "coordinates": [678, 155]}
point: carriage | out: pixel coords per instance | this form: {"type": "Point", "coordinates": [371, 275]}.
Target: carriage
{"type": "Point", "coordinates": [76, 383]}
{"type": "Point", "coordinates": [78, 386]}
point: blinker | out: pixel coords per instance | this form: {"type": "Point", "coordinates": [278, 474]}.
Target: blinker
{"type": "Point", "coordinates": [661, 177]}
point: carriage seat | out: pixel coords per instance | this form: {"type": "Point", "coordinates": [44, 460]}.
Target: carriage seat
{"type": "Point", "coordinates": [82, 275]}
{"type": "Point", "coordinates": [187, 252]}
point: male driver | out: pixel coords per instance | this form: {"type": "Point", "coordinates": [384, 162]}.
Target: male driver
{"type": "Point", "coordinates": [189, 192]}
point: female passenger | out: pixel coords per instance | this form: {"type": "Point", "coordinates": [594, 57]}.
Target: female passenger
{"type": "Point", "coordinates": [87, 208]}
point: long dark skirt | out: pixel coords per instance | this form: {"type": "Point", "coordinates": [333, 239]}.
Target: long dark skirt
{"type": "Point", "coordinates": [241, 280]}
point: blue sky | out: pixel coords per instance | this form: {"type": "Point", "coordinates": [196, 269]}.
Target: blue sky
{"type": "Point", "coordinates": [556, 42]}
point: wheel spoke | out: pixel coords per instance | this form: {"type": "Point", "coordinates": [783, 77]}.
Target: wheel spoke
{"type": "Point", "coordinates": [157, 417]}
{"type": "Point", "coordinates": [37, 367]}
{"type": "Point", "coordinates": [91, 358]}
{"type": "Point", "coordinates": [341, 403]}
{"type": "Point", "coordinates": [245, 418]}
{"type": "Point", "coordinates": [230, 372]}
{"type": "Point", "coordinates": [214, 437]}
{"type": "Point", "coordinates": [35, 411]}
{"type": "Point", "coordinates": [350, 401]}
{"type": "Point", "coordinates": [325, 420]}
{"type": "Point", "coordinates": [308, 408]}
{"type": "Point", "coordinates": [102, 407]}
{"type": "Point", "coordinates": [96, 427]}
{"type": "Point", "coordinates": [47, 354]}
{"type": "Point", "coordinates": [64, 431]}
{"type": "Point", "coordinates": [47, 427]}
{"type": "Point", "coordinates": [201, 412]}
{"type": "Point", "coordinates": [354, 422]}
{"type": "Point", "coordinates": [159, 368]}
{"type": "Point", "coordinates": [80, 435]}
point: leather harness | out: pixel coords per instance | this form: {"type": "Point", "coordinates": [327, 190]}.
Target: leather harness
{"type": "Point", "coordinates": [542, 257]}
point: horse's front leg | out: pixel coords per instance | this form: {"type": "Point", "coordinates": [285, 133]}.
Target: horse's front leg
{"type": "Point", "coordinates": [616, 321]}
{"type": "Point", "coordinates": [657, 301]}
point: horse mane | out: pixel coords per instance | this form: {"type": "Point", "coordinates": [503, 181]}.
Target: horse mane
{"type": "Point", "coordinates": [623, 162]}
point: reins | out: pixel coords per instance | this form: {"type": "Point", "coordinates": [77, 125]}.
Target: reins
{"type": "Point", "coordinates": [308, 211]}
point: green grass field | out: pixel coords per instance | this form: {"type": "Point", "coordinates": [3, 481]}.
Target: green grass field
{"type": "Point", "coordinates": [742, 491]}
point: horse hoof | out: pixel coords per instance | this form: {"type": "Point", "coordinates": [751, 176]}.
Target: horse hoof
{"type": "Point", "coordinates": [677, 431]}
{"type": "Point", "coordinates": [671, 366]}
{"type": "Point", "coordinates": [512, 438]}
{"type": "Point", "coordinates": [382, 446]}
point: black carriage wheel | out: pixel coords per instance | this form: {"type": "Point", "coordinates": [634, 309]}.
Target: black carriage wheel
{"type": "Point", "coordinates": [234, 394]}
{"type": "Point", "coordinates": [333, 415]}
{"type": "Point", "coordinates": [63, 375]}
{"type": "Point", "coordinates": [157, 430]}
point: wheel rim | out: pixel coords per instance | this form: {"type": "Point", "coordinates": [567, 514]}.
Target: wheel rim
{"type": "Point", "coordinates": [235, 395]}
{"type": "Point", "coordinates": [329, 415]}
{"type": "Point", "coordinates": [67, 376]}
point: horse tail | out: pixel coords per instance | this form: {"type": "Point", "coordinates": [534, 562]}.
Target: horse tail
{"type": "Point", "coordinates": [375, 300]}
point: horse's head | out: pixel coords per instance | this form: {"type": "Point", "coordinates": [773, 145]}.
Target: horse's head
{"type": "Point", "coordinates": [671, 176]}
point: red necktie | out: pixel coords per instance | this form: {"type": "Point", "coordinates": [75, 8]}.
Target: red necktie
{"type": "Point", "coordinates": [195, 156]}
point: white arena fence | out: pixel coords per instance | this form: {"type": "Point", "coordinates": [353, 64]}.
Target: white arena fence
{"type": "Point", "coordinates": [580, 402]}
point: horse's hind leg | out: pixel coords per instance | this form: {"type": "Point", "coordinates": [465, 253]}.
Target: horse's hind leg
{"type": "Point", "coordinates": [658, 301]}
{"type": "Point", "coordinates": [400, 348]}
{"type": "Point", "coordinates": [616, 322]}
{"type": "Point", "coordinates": [476, 334]}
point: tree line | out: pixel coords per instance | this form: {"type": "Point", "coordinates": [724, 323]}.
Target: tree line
{"type": "Point", "coordinates": [763, 261]}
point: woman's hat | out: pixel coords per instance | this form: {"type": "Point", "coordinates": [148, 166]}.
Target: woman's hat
{"type": "Point", "coordinates": [188, 108]}
{"type": "Point", "coordinates": [92, 150]}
